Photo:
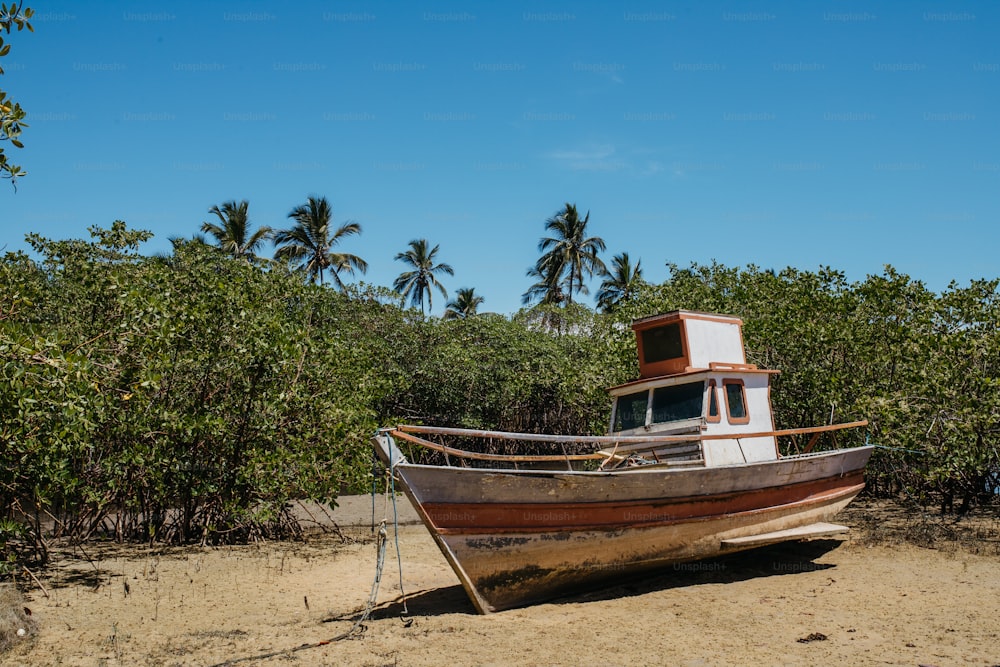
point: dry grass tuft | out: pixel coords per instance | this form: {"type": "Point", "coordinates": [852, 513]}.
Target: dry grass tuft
{"type": "Point", "coordinates": [16, 623]}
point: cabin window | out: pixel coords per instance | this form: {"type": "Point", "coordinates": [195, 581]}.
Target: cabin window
{"type": "Point", "coordinates": [736, 402]}
{"type": "Point", "coordinates": [662, 343]}
{"type": "Point", "coordinates": [713, 403]}
{"type": "Point", "coordinates": [630, 411]}
{"type": "Point", "coordinates": [680, 401]}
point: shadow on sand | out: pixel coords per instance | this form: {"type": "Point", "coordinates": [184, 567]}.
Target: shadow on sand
{"type": "Point", "coordinates": [774, 560]}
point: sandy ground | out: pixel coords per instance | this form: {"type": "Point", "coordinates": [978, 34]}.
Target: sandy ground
{"type": "Point", "coordinates": [853, 601]}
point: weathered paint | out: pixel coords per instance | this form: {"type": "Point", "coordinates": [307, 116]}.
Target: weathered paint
{"type": "Point", "coordinates": [437, 484]}
{"type": "Point", "coordinates": [519, 537]}
{"type": "Point", "coordinates": [507, 517]}
{"type": "Point", "coordinates": [536, 570]}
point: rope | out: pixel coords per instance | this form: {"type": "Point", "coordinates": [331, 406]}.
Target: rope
{"type": "Point", "coordinates": [610, 456]}
{"type": "Point", "coordinates": [357, 629]}
{"type": "Point", "coordinates": [391, 490]}
{"type": "Point", "coordinates": [374, 484]}
{"type": "Point", "coordinates": [379, 565]}
{"type": "Point", "coordinates": [381, 542]}
{"type": "Point", "coordinates": [899, 449]}
{"type": "Point", "coordinates": [891, 449]}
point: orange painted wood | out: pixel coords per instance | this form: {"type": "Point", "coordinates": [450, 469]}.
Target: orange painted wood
{"type": "Point", "coordinates": [459, 518]}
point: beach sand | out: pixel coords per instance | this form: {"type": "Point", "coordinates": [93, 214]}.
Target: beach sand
{"type": "Point", "coordinates": [871, 598]}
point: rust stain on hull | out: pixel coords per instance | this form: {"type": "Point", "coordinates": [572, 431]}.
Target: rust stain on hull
{"type": "Point", "coordinates": [538, 570]}
{"type": "Point", "coordinates": [516, 539]}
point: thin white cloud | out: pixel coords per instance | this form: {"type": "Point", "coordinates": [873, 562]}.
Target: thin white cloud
{"type": "Point", "coordinates": [641, 161]}
{"type": "Point", "coordinates": [592, 158]}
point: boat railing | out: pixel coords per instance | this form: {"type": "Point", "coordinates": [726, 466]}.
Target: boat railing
{"type": "Point", "coordinates": [590, 451]}
{"type": "Point", "coordinates": [569, 453]}
{"type": "Point", "coordinates": [794, 435]}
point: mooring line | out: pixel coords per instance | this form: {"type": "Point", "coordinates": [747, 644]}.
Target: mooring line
{"type": "Point", "coordinates": [899, 449]}
{"type": "Point", "coordinates": [395, 527]}
{"type": "Point", "coordinates": [382, 541]}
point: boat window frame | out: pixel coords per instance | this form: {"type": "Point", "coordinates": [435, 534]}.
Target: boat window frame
{"type": "Point", "coordinates": [695, 389]}
{"type": "Point", "coordinates": [660, 341]}
{"type": "Point", "coordinates": [713, 397]}
{"type": "Point", "coordinates": [617, 405]}
{"type": "Point", "coordinates": [726, 383]}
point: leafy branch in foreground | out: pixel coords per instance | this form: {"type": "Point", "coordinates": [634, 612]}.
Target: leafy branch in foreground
{"type": "Point", "coordinates": [11, 113]}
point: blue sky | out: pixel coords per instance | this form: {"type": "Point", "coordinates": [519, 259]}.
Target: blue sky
{"type": "Point", "coordinates": [847, 134]}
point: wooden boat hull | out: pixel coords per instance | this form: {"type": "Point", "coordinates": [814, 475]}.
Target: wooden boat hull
{"type": "Point", "coordinates": [516, 538]}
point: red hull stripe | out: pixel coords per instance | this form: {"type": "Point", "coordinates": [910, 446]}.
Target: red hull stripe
{"type": "Point", "coordinates": [470, 518]}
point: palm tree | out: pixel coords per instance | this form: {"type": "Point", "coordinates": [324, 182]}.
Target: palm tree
{"type": "Point", "coordinates": [464, 304]}
{"type": "Point", "coordinates": [569, 253]}
{"type": "Point", "coordinates": [179, 241]}
{"type": "Point", "coordinates": [309, 243]}
{"type": "Point", "coordinates": [620, 284]}
{"type": "Point", "coordinates": [417, 283]}
{"type": "Point", "coordinates": [233, 233]}
{"type": "Point", "coordinates": [547, 290]}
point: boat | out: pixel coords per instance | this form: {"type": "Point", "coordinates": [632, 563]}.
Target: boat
{"type": "Point", "coordinates": [690, 469]}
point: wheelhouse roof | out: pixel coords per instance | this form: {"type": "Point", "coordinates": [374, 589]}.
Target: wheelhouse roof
{"type": "Point", "coordinates": [673, 315]}
{"type": "Point", "coordinates": [692, 376]}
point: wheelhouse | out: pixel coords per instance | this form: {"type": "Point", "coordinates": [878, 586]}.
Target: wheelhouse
{"type": "Point", "coordinates": [694, 379]}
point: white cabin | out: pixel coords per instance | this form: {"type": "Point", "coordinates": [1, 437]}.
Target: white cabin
{"type": "Point", "coordinates": [694, 379]}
